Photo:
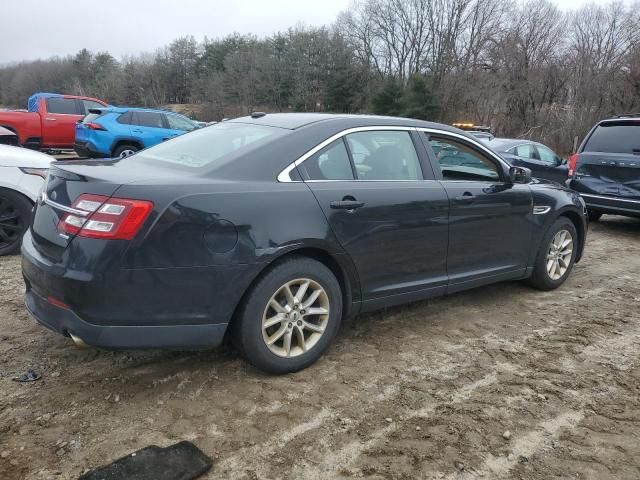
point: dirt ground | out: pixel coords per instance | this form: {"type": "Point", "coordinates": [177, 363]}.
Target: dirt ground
{"type": "Point", "coordinates": [427, 390]}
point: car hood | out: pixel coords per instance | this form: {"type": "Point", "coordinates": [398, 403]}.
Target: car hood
{"type": "Point", "coordinates": [23, 157]}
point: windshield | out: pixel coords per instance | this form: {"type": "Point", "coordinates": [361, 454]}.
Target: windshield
{"type": "Point", "coordinates": [210, 146]}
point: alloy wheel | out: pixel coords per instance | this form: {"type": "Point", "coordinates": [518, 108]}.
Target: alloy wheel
{"type": "Point", "coordinates": [559, 254]}
{"type": "Point", "coordinates": [11, 224]}
{"type": "Point", "coordinates": [295, 317]}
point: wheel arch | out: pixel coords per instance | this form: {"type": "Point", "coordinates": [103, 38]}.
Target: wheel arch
{"type": "Point", "coordinates": [125, 141]}
{"type": "Point", "coordinates": [348, 284]}
{"type": "Point", "coordinates": [22, 193]}
{"type": "Point", "coordinates": [576, 219]}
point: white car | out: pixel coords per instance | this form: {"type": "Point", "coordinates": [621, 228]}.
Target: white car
{"type": "Point", "coordinates": [22, 175]}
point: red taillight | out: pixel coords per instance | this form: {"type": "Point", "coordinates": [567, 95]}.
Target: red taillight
{"type": "Point", "coordinates": [94, 126]}
{"type": "Point", "coordinates": [107, 218]}
{"type": "Point", "coordinates": [573, 161]}
{"type": "Point", "coordinates": [57, 303]}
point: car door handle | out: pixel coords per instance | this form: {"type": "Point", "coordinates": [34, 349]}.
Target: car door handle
{"type": "Point", "coordinates": [346, 204]}
{"type": "Point", "coordinates": [48, 119]}
{"type": "Point", "coordinates": [466, 197]}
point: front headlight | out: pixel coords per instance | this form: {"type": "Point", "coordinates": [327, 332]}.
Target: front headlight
{"type": "Point", "coordinates": [40, 172]}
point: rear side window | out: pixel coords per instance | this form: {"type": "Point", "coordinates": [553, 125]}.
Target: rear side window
{"type": "Point", "coordinates": [211, 146]}
{"type": "Point", "coordinates": [384, 155]}
{"type": "Point", "coordinates": [615, 137]}
{"type": "Point", "coordinates": [125, 118]}
{"type": "Point", "coordinates": [330, 163]}
{"type": "Point", "coordinates": [148, 119]}
{"type": "Point", "coordinates": [66, 106]}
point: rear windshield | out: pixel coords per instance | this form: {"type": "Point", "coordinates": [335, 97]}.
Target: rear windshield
{"type": "Point", "coordinates": [211, 145]}
{"type": "Point", "coordinates": [615, 137]}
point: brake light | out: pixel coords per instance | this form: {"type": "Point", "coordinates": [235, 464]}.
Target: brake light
{"type": "Point", "coordinates": [106, 218]}
{"type": "Point", "coordinates": [58, 303]}
{"type": "Point", "coordinates": [95, 126]}
{"type": "Point", "coordinates": [573, 161]}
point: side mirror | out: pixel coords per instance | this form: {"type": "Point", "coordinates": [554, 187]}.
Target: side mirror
{"type": "Point", "coordinates": [519, 175]}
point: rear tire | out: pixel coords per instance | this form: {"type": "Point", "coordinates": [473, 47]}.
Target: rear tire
{"type": "Point", "coordinates": [593, 215]}
{"type": "Point", "coordinates": [556, 255]}
{"type": "Point", "coordinates": [295, 333]}
{"type": "Point", "coordinates": [124, 151]}
{"type": "Point", "coordinates": [15, 216]}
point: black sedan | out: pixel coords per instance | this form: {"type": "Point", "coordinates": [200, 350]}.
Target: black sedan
{"type": "Point", "coordinates": [272, 229]}
{"type": "Point", "coordinates": [540, 159]}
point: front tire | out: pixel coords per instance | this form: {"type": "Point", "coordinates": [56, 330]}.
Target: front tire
{"type": "Point", "coordinates": [15, 216]}
{"type": "Point", "coordinates": [290, 316]}
{"type": "Point", "coordinates": [594, 216]}
{"type": "Point", "coordinates": [556, 255]}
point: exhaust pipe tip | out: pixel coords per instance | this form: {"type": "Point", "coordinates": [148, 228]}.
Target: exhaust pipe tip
{"type": "Point", "coordinates": [77, 340]}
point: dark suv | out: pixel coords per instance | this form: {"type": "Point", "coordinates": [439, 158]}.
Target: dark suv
{"type": "Point", "coordinates": [606, 168]}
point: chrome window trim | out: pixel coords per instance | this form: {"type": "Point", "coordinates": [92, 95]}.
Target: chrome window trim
{"type": "Point", "coordinates": [616, 199]}
{"type": "Point", "coordinates": [284, 175]}
{"type": "Point", "coordinates": [64, 208]}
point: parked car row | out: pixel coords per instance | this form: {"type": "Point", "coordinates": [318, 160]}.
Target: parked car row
{"type": "Point", "coordinates": [605, 170]}
{"type": "Point", "coordinates": [89, 126]}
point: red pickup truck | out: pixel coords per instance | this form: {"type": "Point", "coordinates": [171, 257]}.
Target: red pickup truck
{"type": "Point", "coordinates": [50, 120]}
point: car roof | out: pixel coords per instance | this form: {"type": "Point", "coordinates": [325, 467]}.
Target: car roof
{"type": "Point", "coordinates": [293, 121]}
{"type": "Point", "coordinates": [113, 109]}
{"type": "Point", "coordinates": [503, 144]}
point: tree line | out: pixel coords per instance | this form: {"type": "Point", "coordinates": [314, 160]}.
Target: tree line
{"type": "Point", "coordinates": [528, 69]}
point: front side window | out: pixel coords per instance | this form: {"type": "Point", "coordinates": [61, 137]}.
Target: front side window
{"type": "Point", "coordinates": [178, 122]}
{"type": "Point", "coordinates": [384, 155]}
{"type": "Point", "coordinates": [526, 151]}
{"type": "Point", "coordinates": [547, 155]}
{"type": "Point", "coordinates": [458, 161]}
{"type": "Point", "coordinates": [61, 105]}
{"type": "Point", "coordinates": [330, 163]}
{"type": "Point", "coordinates": [148, 119]}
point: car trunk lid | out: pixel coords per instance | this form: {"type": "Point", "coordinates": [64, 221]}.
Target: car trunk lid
{"type": "Point", "coordinates": [63, 186]}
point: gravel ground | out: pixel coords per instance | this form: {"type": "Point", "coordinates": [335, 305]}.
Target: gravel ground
{"type": "Point", "coordinates": [498, 382]}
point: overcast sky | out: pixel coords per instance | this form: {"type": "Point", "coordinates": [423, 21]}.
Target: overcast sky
{"type": "Point", "coordinates": [31, 29]}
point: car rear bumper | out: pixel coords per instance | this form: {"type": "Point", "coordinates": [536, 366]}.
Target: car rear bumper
{"type": "Point", "coordinates": [88, 150]}
{"type": "Point", "coordinates": [58, 297]}
{"type": "Point", "coordinates": [610, 204]}
{"type": "Point", "coordinates": [66, 322]}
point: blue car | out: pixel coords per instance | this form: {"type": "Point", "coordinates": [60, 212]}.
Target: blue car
{"type": "Point", "coordinates": [120, 131]}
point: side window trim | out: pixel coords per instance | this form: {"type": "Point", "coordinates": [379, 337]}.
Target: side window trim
{"type": "Point", "coordinates": [285, 175]}
{"type": "Point", "coordinates": [350, 155]}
